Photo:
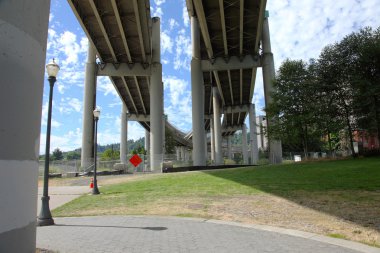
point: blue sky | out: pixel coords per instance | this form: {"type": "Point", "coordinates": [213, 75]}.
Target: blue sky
{"type": "Point", "coordinates": [299, 30]}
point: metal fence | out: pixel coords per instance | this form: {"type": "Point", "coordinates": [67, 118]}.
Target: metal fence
{"type": "Point", "coordinates": [171, 160]}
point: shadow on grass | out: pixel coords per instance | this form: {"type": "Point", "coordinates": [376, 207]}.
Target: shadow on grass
{"type": "Point", "coordinates": [347, 189]}
{"type": "Point", "coordinates": [121, 227]}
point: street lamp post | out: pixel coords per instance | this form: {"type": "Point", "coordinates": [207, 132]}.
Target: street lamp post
{"type": "Point", "coordinates": [44, 218]}
{"type": "Point", "coordinates": [95, 190]}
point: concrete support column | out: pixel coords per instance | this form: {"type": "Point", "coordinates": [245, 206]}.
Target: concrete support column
{"type": "Point", "coordinates": [147, 142]}
{"type": "Point", "coordinates": [229, 146]}
{"type": "Point", "coordinates": [183, 150]}
{"type": "Point", "coordinates": [197, 92]}
{"type": "Point", "coordinates": [89, 102]}
{"type": "Point", "coordinates": [244, 146]}
{"type": "Point", "coordinates": [156, 100]}
{"type": "Point", "coordinates": [253, 135]}
{"type": "Point", "coordinates": [124, 135]}
{"type": "Point", "coordinates": [178, 154]}
{"type": "Point", "coordinates": [217, 126]}
{"type": "Point", "coordinates": [186, 155]}
{"type": "Point", "coordinates": [206, 146]}
{"type": "Point", "coordinates": [275, 149]}
{"type": "Point", "coordinates": [212, 133]}
{"type": "Point", "coordinates": [23, 33]}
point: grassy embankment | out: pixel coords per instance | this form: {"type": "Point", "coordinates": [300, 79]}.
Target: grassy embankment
{"type": "Point", "coordinates": [336, 198]}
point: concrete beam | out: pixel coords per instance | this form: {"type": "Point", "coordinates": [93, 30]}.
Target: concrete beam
{"type": "Point", "coordinates": [235, 109]}
{"type": "Point", "coordinates": [138, 117]}
{"type": "Point", "coordinates": [123, 69]}
{"type": "Point", "coordinates": [234, 62]}
{"type": "Point", "coordinates": [232, 128]}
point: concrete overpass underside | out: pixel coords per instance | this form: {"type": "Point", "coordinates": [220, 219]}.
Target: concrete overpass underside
{"type": "Point", "coordinates": [126, 41]}
{"type": "Point", "coordinates": [230, 40]}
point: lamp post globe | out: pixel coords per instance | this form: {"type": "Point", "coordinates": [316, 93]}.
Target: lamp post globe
{"type": "Point", "coordinates": [45, 218]}
{"type": "Point", "coordinates": [96, 113]}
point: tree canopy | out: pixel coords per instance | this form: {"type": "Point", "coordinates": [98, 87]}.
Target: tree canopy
{"type": "Point", "coordinates": [331, 96]}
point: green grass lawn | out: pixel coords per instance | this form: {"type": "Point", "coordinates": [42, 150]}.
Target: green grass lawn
{"type": "Point", "coordinates": [346, 189]}
{"type": "Point", "coordinates": [342, 175]}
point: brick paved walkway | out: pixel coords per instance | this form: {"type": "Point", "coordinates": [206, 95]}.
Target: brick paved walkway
{"type": "Point", "coordinates": [169, 234]}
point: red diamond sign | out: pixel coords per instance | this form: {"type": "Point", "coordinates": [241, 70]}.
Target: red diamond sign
{"type": "Point", "coordinates": [135, 160]}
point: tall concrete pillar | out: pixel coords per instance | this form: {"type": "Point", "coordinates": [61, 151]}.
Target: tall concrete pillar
{"type": "Point", "coordinates": [23, 33]}
{"type": "Point", "coordinates": [197, 92]}
{"type": "Point", "coordinates": [177, 151]}
{"type": "Point", "coordinates": [182, 152]}
{"type": "Point", "coordinates": [147, 142]}
{"type": "Point", "coordinates": [229, 146]}
{"type": "Point", "coordinates": [244, 146]}
{"type": "Point", "coordinates": [217, 126]}
{"type": "Point", "coordinates": [206, 146]}
{"type": "Point", "coordinates": [253, 134]}
{"type": "Point", "coordinates": [124, 135]}
{"type": "Point", "coordinates": [89, 102]}
{"type": "Point", "coordinates": [212, 137]}
{"type": "Point", "coordinates": [156, 100]}
{"type": "Point", "coordinates": [275, 149]}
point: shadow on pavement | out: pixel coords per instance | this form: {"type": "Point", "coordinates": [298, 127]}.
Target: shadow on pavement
{"type": "Point", "coordinates": [121, 227]}
{"type": "Point", "coordinates": [346, 189]}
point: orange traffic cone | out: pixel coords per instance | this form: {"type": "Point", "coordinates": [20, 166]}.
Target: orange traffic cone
{"type": "Point", "coordinates": [92, 183]}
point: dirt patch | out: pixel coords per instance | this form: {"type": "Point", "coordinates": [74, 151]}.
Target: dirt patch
{"type": "Point", "coordinates": [331, 213]}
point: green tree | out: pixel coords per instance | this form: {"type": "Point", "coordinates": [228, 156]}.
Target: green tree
{"type": "Point", "coordinates": [57, 154]}
{"type": "Point", "coordinates": [110, 154]}
{"type": "Point", "coordinates": [73, 155]}
{"type": "Point", "coordinates": [293, 106]}
{"type": "Point", "coordinates": [139, 150]}
{"type": "Point", "coordinates": [366, 78]}
{"type": "Point", "coordinates": [336, 64]}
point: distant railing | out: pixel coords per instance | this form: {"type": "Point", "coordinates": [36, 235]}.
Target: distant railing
{"type": "Point", "coordinates": [71, 166]}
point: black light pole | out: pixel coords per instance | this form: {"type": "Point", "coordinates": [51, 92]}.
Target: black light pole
{"type": "Point", "coordinates": [95, 190]}
{"type": "Point", "coordinates": [45, 219]}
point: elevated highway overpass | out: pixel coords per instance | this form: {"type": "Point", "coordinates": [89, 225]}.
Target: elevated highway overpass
{"type": "Point", "coordinates": [230, 40]}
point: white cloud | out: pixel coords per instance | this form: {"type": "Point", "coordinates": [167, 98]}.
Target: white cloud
{"type": "Point", "coordinates": [185, 15]}
{"type": "Point", "coordinates": [158, 12]}
{"type": "Point", "coordinates": [311, 25]}
{"type": "Point", "coordinates": [69, 105]}
{"type": "Point", "coordinates": [175, 87]}
{"type": "Point", "coordinates": [172, 24]}
{"type": "Point", "coordinates": [135, 130]}
{"type": "Point", "coordinates": [69, 141]}
{"type": "Point", "coordinates": [45, 108]}
{"type": "Point", "coordinates": [159, 2]}
{"type": "Point", "coordinates": [183, 51]}
{"type": "Point", "coordinates": [105, 85]}
{"type": "Point", "coordinates": [178, 102]}
{"type": "Point", "coordinates": [166, 43]}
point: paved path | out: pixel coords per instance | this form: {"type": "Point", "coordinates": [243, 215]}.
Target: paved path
{"type": "Point", "coordinates": [114, 234]}
{"type": "Point", "coordinates": [60, 195]}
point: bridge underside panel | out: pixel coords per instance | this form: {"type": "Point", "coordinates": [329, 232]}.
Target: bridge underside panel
{"type": "Point", "coordinates": [229, 29]}
{"type": "Point", "coordinates": [119, 30]}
